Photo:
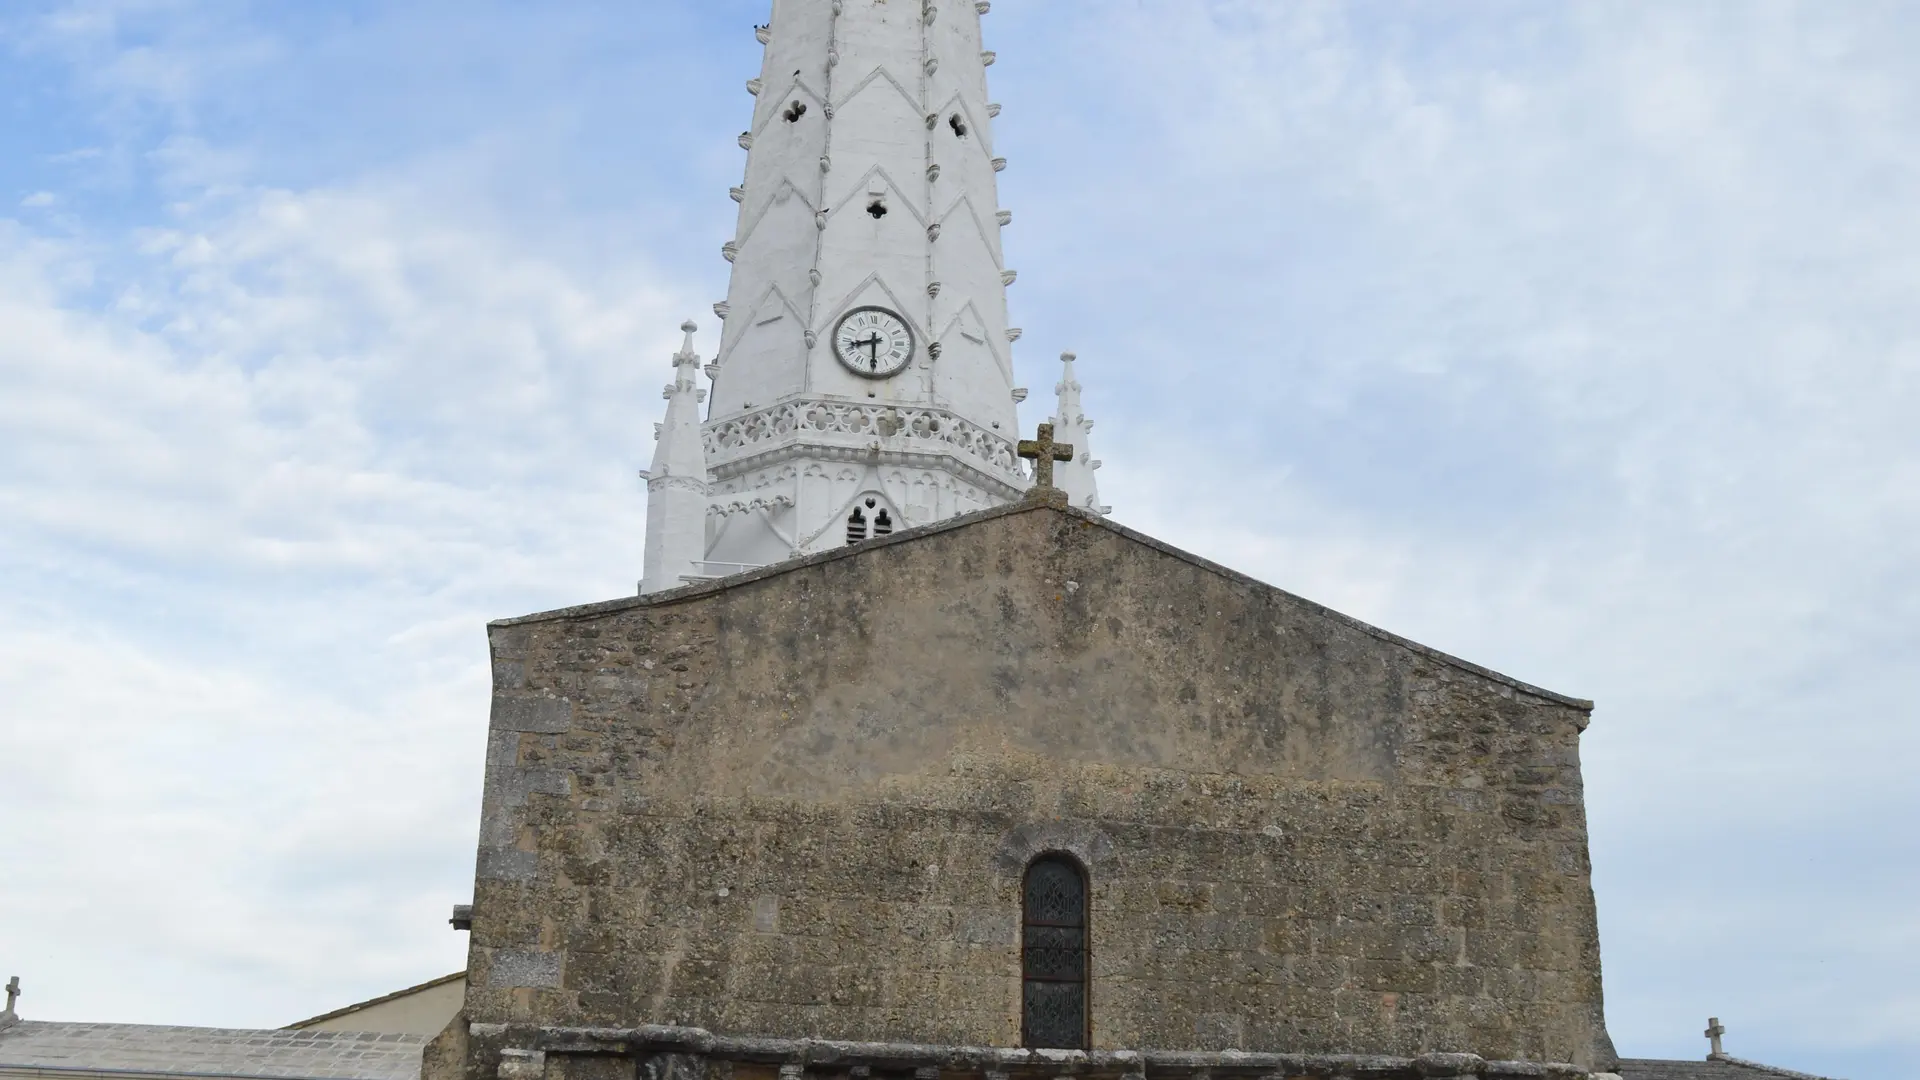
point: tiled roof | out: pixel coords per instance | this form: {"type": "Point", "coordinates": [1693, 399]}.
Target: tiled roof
{"type": "Point", "coordinates": [32, 1047]}
{"type": "Point", "coordinates": [381, 1000]}
{"type": "Point", "coordinates": [1723, 1069]}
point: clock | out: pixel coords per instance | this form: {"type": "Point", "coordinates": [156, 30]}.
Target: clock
{"type": "Point", "coordinates": [873, 343]}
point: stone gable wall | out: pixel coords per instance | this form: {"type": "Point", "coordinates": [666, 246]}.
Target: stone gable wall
{"type": "Point", "coordinates": [801, 807]}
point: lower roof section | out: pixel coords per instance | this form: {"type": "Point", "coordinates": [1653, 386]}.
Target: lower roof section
{"type": "Point", "coordinates": [37, 1048]}
{"type": "Point", "coordinates": [1723, 1068]}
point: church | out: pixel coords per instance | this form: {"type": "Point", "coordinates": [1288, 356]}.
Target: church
{"type": "Point", "coordinates": [907, 759]}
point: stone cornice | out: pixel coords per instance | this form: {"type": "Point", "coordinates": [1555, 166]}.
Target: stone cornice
{"type": "Point", "coordinates": [828, 1055]}
{"type": "Point", "coordinates": [680, 483]}
{"type": "Point", "coordinates": [960, 467]}
{"type": "Point", "coordinates": [903, 435]}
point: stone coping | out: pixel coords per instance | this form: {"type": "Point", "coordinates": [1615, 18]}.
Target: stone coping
{"type": "Point", "coordinates": [708, 588]}
{"type": "Point", "coordinates": [834, 1056]}
{"type": "Point", "coordinates": [1770, 1070]}
{"type": "Point", "coordinates": [1721, 1066]}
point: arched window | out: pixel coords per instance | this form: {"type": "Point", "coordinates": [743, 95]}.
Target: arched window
{"type": "Point", "coordinates": [1053, 942]}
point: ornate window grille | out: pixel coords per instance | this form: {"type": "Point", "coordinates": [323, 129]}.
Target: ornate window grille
{"type": "Point", "coordinates": [1054, 955]}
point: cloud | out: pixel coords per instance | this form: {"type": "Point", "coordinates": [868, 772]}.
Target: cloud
{"type": "Point", "coordinates": [196, 793]}
{"type": "Point", "coordinates": [1571, 341]}
{"type": "Point", "coordinates": [258, 507]}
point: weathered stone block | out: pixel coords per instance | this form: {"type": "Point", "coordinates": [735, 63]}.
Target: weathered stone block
{"type": "Point", "coordinates": [508, 969]}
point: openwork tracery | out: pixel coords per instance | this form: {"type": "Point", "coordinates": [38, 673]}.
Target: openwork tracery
{"type": "Point", "coordinates": [932, 426]}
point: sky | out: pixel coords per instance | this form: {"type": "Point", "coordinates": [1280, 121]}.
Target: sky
{"type": "Point", "coordinates": [1576, 339]}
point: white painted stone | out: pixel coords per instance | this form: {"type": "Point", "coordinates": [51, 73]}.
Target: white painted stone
{"type": "Point", "coordinates": [882, 88]}
{"type": "Point", "coordinates": [677, 489]}
{"type": "Point", "coordinates": [870, 181]}
{"type": "Point", "coordinates": [1071, 426]}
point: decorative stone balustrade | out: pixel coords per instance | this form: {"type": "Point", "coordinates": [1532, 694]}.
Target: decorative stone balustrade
{"type": "Point", "coordinates": [895, 428]}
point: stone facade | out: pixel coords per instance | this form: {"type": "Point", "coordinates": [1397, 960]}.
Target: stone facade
{"type": "Point", "coordinates": [798, 804]}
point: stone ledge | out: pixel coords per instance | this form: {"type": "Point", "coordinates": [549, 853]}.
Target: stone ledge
{"type": "Point", "coordinates": [829, 1055]}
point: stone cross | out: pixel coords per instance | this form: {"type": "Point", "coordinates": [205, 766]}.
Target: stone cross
{"type": "Point", "coordinates": [1714, 1031]}
{"type": "Point", "coordinates": [1043, 452]}
{"type": "Point", "coordinates": [13, 993]}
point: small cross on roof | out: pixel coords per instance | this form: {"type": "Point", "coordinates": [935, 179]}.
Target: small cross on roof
{"type": "Point", "coordinates": [1043, 452]}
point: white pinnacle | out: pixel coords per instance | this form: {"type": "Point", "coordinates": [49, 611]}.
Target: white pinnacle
{"type": "Point", "coordinates": [1071, 426]}
{"type": "Point", "coordinates": [677, 487]}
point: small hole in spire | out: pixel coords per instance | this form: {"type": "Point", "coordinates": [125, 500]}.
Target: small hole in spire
{"type": "Point", "coordinates": [958, 125]}
{"type": "Point", "coordinates": [878, 209]}
{"type": "Point", "coordinates": [795, 111]}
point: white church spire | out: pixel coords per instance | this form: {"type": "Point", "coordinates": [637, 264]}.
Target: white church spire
{"type": "Point", "coordinates": [677, 489]}
{"type": "Point", "coordinates": [1071, 426]}
{"type": "Point", "coordinates": [864, 377]}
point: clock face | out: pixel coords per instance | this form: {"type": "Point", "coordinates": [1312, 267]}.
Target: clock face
{"type": "Point", "coordinates": [873, 342]}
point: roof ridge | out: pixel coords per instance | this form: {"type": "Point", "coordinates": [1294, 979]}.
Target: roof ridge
{"type": "Point", "coordinates": [300, 1025]}
{"type": "Point", "coordinates": [1771, 1069]}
